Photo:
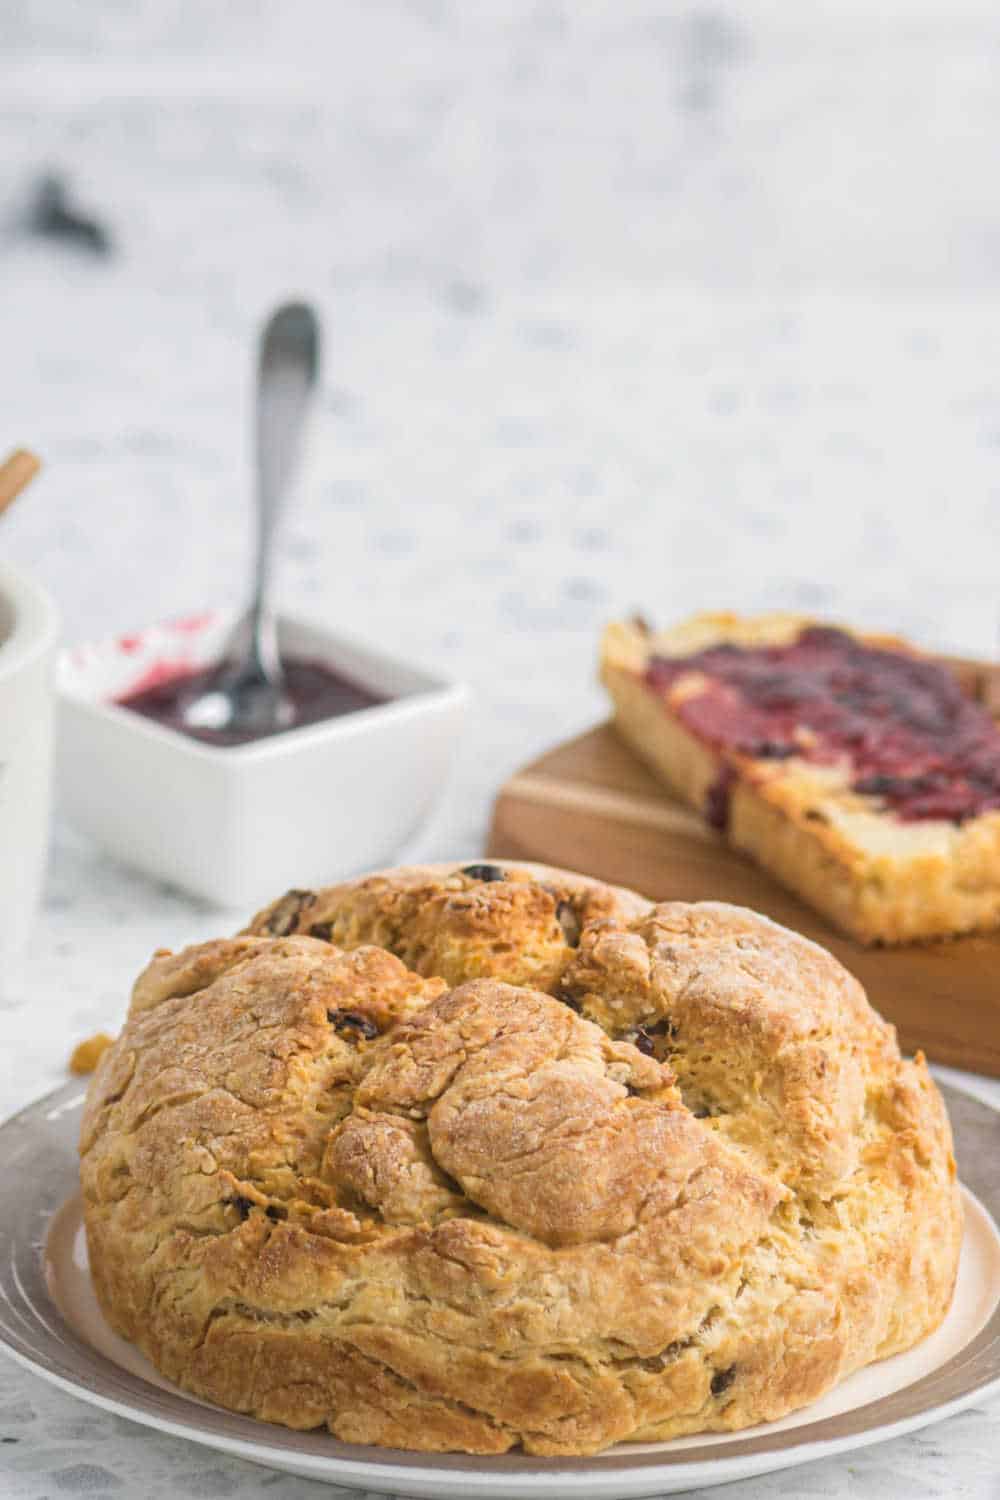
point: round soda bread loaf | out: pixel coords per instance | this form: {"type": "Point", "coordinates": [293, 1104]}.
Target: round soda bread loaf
{"type": "Point", "coordinates": [465, 1159]}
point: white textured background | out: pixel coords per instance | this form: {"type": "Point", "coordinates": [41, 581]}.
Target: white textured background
{"type": "Point", "coordinates": [626, 305]}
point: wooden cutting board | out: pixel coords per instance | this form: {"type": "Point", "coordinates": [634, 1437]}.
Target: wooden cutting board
{"type": "Point", "coordinates": [592, 805]}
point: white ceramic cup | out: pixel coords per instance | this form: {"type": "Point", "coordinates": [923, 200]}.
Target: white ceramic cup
{"type": "Point", "coordinates": [28, 635]}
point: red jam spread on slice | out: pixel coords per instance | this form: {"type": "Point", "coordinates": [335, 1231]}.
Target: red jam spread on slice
{"type": "Point", "coordinates": [904, 725]}
{"type": "Point", "coordinates": [316, 692]}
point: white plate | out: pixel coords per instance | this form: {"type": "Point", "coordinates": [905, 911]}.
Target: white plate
{"type": "Point", "coordinates": [49, 1321]}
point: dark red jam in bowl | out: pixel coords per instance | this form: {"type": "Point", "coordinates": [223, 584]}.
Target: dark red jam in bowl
{"type": "Point", "coordinates": [315, 690]}
{"type": "Point", "coordinates": [903, 723]}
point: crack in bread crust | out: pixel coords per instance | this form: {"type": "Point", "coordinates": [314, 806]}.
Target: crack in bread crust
{"type": "Point", "coordinates": [641, 1171]}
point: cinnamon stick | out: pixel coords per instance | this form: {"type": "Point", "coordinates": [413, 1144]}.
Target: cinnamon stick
{"type": "Point", "coordinates": [18, 471]}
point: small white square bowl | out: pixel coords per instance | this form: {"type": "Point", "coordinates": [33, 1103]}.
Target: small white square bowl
{"type": "Point", "coordinates": [237, 825]}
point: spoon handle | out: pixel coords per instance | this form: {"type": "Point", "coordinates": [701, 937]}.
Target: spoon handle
{"type": "Point", "coordinates": [287, 369]}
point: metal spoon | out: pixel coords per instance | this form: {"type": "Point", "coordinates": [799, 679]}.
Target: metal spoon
{"type": "Point", "coordinates": [249, 699]}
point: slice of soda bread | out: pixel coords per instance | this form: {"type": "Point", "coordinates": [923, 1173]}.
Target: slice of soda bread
{"type": "Point", "coordinates": [852, 767]}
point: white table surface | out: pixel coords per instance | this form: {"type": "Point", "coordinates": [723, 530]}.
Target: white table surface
{"type": "Point", "coordinates": [626, 305]}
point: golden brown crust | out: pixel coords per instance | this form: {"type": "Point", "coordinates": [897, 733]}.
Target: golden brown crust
{"type": "Point", "coordinates": [690, 1193]}
{"type": "Point", "coordinates": [522, 928]}
{"type": "Point", "coordinates": [765, 1030]}
{"type": "Point", "coordinates": [878, 879]}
